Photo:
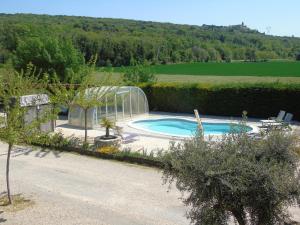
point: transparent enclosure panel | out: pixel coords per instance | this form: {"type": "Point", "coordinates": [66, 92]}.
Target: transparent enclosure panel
{"type": "Point", "coordinates": [127, 103]}
{"type": "Point", "coordinates": [119, 104]}
{"type": "Point", "coordinates": [77, 117]}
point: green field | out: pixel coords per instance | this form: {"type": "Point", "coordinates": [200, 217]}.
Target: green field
{"type": "Point", "coordinates": [235, 72]}
{"type": "Point", "coordinates": [270, 69]}
{"type": "Point", "coordinates": [261, 69]}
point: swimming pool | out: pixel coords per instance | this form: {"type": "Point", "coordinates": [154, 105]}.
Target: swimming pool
{"type": "Point", "coordinates": [186, 128]}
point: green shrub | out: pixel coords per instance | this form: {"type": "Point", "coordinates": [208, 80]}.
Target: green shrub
{"type": "Point", "coordinates": [55, 140]}
{"type": "Point", "coordinates": [259, 100]}
{"type": "Point", "coordinates": [253, 180]}
{"type": "Point", "coordinates": [138, 74]}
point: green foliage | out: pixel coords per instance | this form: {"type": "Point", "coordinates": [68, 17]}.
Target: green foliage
{"type": "Point", "coordinates": [55, 140]}
{"type": "Point", "coordinates": [13, 85]}
{"type": "Point", "coordinates": [138, 74]}
{"type": "Point", "coordinates": [259, 100]}
{"type": "Point", "coordinates": [120, 42]}
{"type": "Point", "coordinates": [91, 91]}
{"type": "Point", "coordinates": [252, 180]}
{"type": "Point", "coordinates": [50, 55]}
{"type": "Point", "coordinates": [250, 55]}
{"type": "Point", "coordinates": [108, 124]}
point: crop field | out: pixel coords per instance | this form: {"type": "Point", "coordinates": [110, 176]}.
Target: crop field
{"type": "Point", "coordinates": [236, 72]}
{"type": "Point", "coordinates": [269, 69]}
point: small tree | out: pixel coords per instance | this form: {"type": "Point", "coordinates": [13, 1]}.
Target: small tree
{"type": "Point", "coordinates": [252, 180]}
{"type": "Point", "coordinates": [61, 94]}
{"type": "Point", "coordinates": [108, 124]}
{"type": "Point", "coordinates": [13, 85]}
{"type": "Point", "coordinates": [87, 94]}
{"type": "Point", "coordinates": [138, 74]}
{"type": "Point", "coordinates": [91, 94]}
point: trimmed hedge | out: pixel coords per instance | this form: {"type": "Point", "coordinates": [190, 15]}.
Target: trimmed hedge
{"type": "Point", "coordinates": [260, 100]}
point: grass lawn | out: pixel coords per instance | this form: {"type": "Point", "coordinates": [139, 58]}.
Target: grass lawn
{"type": "Point", "coordinates": [261, 69]}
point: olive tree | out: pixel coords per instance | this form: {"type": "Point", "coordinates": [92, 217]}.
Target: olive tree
{"type": "Point", "coordinates": [251, 180]}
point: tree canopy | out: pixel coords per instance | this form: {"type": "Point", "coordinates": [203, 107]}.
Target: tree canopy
{"type": "Point", "coordinates": [50, 55]}
{"type": "Point", "coordinates": [252, 180]}
{"type": "Point", "coordinates": [120, 42]}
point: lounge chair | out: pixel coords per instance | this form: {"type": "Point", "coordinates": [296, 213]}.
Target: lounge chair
{"type": "Point", "coordinates": [284, 123]}
{"type": "Point", "coordinates": [288, 118]}
{"type": "Point", "coordinates": [271, 120]}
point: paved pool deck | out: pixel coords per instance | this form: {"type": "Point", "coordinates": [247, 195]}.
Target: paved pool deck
{"type": "Point", "coordinates": [141, 140]}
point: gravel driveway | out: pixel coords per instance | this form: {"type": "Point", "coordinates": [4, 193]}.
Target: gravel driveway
{"type": "Point", "coordinates": [70, 189]}
{"type": "Point", "coordinates": [73, 189]}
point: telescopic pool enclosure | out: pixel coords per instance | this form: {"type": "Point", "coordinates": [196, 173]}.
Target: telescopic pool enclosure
{"type": "Point", "coordinates": [115, 103]}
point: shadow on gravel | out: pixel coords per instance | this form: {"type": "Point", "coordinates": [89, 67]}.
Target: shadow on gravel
{"type": "Point", "coordinates": [38, 152]}
{"type": "Point", "coordinates": [2, 220]}
{"type": "Point", "coordinates": [44, 152]}
{"type": "Point", "coordinates": [18, 151]}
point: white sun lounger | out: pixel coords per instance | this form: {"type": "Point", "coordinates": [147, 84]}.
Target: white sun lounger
{"type": "Point", "coordinates": [288, 118]}
{"type": "Point", "coordinates": [273, 120]}
{"type": "Point", "coordinates": [285, 122]}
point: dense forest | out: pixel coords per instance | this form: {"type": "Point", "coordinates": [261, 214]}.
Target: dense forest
{"type": "Point", "coordinates": [58, 43]}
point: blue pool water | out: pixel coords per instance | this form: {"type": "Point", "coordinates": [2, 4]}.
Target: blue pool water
{"type": "Point", "coordinates": [181, 127]}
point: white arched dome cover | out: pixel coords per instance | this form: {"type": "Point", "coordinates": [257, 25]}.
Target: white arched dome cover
{"type": "Point", "coordinates": [117, 103]}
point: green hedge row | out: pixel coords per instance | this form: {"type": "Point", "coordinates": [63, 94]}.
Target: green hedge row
{"type": "Point", "coordinates": [259, 100]}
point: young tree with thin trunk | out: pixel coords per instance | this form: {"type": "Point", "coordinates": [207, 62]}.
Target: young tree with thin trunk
{"type": "Point", "coordinates": [91, 94]}
{"type": "Point", "coordinates": [86, 95]}
{"type": "Point", "coordinates": [13, 85]}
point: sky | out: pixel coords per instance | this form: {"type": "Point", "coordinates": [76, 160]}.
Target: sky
{"type": "Point", "coordinates": [277, 17]}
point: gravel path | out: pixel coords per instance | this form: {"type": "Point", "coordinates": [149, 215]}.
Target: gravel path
{"type": "Point", "coordinates": [71, 189]}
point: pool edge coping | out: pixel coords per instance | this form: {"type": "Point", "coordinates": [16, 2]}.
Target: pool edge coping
{"type": "Point", "coordinates": [255, 129]}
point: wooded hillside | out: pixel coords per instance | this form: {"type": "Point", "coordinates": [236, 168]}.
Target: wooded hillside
{"type": "Point", "coordinates": [120, 42]}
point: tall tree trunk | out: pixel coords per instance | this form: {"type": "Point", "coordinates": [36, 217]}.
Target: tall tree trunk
{"type": "Point", "coordinates": [239, 217]}
{"type": "Point", "coordinates": [85, 125]}
{"type": "Point", "coordinates": [53, 121]}
{"type": "Point", "coordinates": [7, 172]}
{"type": "Point", "coordinates": [107, 132]}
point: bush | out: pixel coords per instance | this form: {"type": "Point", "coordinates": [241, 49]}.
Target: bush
{"type": "Point", "coordinates": [259, 100]}
{"type": "Point", "coordinates": [138, 74]}
{"type": "Point", "coordinates": [255, 181]}
{"type": "Point", "coordinates": [55, 140]}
